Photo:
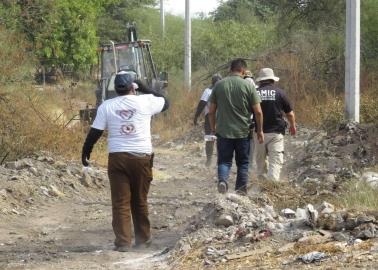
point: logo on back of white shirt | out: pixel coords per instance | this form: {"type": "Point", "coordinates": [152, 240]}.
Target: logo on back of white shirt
{"type": "Point", "coordinates": [126, 114]}
{"type": "Point", "coordinates": [127, 127]}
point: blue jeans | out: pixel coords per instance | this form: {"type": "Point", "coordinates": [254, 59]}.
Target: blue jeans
{"type": "Point", "coordinates": [226, 149]}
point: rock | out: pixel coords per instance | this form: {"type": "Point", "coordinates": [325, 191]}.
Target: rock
{"type": "Point", "coordinates": [85, 178]}
{"type": "Point", "coordinates": [18, 165]}
{"type": "Point", "coordinates": [271, 226]}
{"type": "Point", "coordinates": [301, 214]}
{"type": "Point", "coordinates": [329, 179]}
{"type": "Point", "coordinates": [55, 192]}
{"type": "Point", "coordinates": [365, 231]}
{"type": "Point", "coordinates": [13, 178]}
{"type": "Point", "coordinates": [60, 164]}
{"type": "Point", "coordinates": [356, 241]}
{"type": "Point", "coordinates": [3, 193]}
{"type": "Point", "coordinates": [312, 215]}
{"type": "Point", "coordinates": [34, 171]}
{"type": "Point", "coordinates": [326, 208]}
{"type": "Point", "coordinates": [371, 178]}
{"type": "Point", "coordinates": [49, 160]}
{"type": "Point", "coordinates": [14, 211]}
{"type": "Point", "coordinates": [341, 237]}
{"type": "Point", "coordinates": [45, 191]}
{"type": "Point", "coordinates": [235, 198]}
{"type": "Point", "coordinates": [224, 220]}
{"type": "Point", "coordinates": [333, 222]}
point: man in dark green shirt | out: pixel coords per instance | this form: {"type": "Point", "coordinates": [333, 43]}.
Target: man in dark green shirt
{"type": "Point", "coordinates": [231, 105]}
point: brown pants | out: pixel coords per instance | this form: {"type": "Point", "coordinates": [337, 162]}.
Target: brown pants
{"type": "Point", "coordinates": [130, 179]}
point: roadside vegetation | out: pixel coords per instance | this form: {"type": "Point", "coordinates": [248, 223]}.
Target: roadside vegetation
{"type": "Point", "coordinates": [304, 44]}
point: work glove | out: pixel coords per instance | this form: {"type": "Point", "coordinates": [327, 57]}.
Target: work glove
{"type": "Point", "coordinates": [292, 131]}
{"type": "Point", "coordinates": [85, 158]}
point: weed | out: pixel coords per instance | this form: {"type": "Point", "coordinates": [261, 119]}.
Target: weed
{"type": "Point", "coordinates": [358, 195]}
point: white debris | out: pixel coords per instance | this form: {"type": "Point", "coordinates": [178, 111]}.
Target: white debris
{"type": "Point", "coordinates": [371, 178]}
{"type": "Point", "coordinates": [311, 257]}
{"type": "Point", "coordinates": [224, 220]}
{"type": "Point", "coordinates": [288, 213]}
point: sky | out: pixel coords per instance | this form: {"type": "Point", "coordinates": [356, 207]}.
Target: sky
{"type": "Point", "coordinates": [177, 7]}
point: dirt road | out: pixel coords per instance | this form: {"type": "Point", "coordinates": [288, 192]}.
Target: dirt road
{"type": "Point", "coordinates": [75, 232]}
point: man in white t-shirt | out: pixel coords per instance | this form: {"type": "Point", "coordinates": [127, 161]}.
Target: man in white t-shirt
{"type": "Point", "coordinates": [127, 119]}
{"type": "Point", "coordinates": [204, 105]}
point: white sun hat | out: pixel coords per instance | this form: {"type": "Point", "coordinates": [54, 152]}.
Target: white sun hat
{"type": "Point", "coordinates": [266, 74]}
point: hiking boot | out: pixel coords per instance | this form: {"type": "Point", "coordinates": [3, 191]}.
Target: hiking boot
{"type": "Point", "coordinates": [222, 187]}
{"type": "Point", "coordinates": [122, 248]}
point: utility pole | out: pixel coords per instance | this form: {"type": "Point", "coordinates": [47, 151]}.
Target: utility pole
{"type": "Point", "coordinates": [162, 18]}
{"type": "Point", "coordinates": [352, 61]}
{"type": "Point", "coordinates": [188, 49]}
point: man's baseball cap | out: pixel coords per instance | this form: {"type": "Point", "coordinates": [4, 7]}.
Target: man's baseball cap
{"type": "Point", "coordinates": [124, 80]}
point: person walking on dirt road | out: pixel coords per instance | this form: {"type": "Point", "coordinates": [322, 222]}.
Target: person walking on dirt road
{"type": "Point", "coordinates": [231, 104]}
{"type": "Point", "coordinates": [204, 104]}
{"type": "Point", "coordinates": [127, 119]}
{"type": "Point", "coordinates": [274, 102]}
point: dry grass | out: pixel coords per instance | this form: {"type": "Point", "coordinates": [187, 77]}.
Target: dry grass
{"type": "Point", "coordinates": [28, 126]}
{"type": "Point", "coordinates": [358, 195]}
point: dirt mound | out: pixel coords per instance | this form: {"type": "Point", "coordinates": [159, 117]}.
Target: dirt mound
{"type": "Point", "coordinates": [330, 159]}
{"type": "Point", "coordinates": [31, 181]}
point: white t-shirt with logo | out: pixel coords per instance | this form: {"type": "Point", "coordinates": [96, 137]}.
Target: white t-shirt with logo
{"type": "Point", "coordinates": [205, 97]}
{"type": "Point", "coordinates": [128, 121]}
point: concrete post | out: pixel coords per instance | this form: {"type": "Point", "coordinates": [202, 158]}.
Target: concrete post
{"type": "Point", "coordinates": [352, 61]}
{"type": "Point", "coordinates": [162, 18]}
{"type": "Point", "coordinates": [188, 50]}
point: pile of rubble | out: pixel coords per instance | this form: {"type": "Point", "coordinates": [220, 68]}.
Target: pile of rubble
{"type": "Point", "coordinates": [232, 226]}
{"type": "Point", "coordinates": [330, 159]}
{"type": "Point", "coordinates": [30, 181]}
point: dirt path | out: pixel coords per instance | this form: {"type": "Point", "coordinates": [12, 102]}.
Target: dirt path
{"type": "Point", "coordinates": [77, 234]}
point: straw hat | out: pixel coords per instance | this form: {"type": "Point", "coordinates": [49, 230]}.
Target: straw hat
{"type": "Point", "coordinates": [266, 74]}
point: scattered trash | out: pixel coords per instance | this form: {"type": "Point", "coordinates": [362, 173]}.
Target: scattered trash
{"type": "Point", "coordinates": [312, 257]}
{"type": "Point", "coordinates": [288, 213]}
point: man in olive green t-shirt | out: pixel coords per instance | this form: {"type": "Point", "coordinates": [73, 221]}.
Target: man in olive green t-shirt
{"type": "Point", "coordinates": [231, 104]}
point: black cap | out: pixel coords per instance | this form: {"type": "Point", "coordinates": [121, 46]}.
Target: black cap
{"type": "Point", "coordinates": [123, 81]}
